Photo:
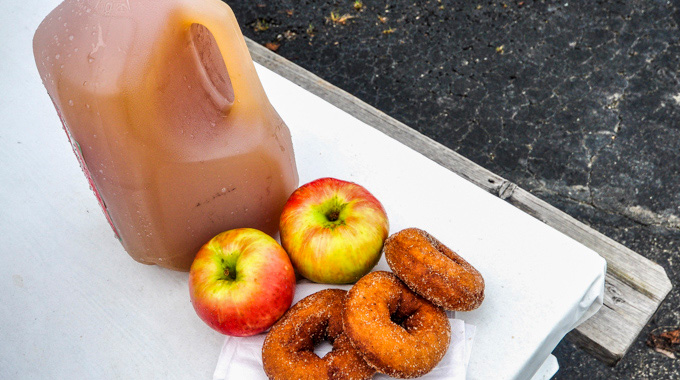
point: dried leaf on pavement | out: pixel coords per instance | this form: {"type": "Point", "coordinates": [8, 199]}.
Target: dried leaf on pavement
{"type": "Point", "coordinates": [273, 46]}
{"type": "Point", "coordinates": [666, 342]}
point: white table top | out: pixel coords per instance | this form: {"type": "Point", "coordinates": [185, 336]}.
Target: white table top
{"type": "Point", "coordinates": [75, 305]}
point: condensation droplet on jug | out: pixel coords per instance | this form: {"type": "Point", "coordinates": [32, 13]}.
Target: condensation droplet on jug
{"type": "Point", "coordinates": [70, 102]}
{"type": "Point", "coordinates": [224, 189]}
{"type": "Point", "coordinates": [57, 56]}
{"type": "Point", "coordinates": [70, 38]}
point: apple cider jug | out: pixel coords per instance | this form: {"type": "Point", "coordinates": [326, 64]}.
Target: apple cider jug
{"type": "Point", "coordinates": [163, 107]}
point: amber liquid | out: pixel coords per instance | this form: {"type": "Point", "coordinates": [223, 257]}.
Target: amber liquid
{"type": "Point", "coordinates": [163, 107]}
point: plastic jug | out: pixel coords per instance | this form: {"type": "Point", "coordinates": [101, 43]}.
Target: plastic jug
{"type": "Point", "coordinates": [163, 107]}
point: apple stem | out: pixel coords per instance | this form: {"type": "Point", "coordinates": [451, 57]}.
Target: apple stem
{"type": "Point", "coordinates": [229, 275]}
{"type": "Point", "coordinates": [333, 215]}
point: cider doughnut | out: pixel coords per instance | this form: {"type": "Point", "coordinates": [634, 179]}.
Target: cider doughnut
{"type": "Point", "coordinates": [398, 332]}
{"type": "Point", "coordinates": [288, 349]}
{"type": "Point", "coordinates": [433, 270]}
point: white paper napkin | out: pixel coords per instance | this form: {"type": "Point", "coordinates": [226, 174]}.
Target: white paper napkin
{"type": "Point", "coordinates": [241, 358]}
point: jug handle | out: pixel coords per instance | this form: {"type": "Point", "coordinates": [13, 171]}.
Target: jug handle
{"type": "Point", "coordinates": [219, 19]}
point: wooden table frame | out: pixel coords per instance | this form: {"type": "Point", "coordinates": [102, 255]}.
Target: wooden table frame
{"type": "Point", "coordinates": [635, 286]}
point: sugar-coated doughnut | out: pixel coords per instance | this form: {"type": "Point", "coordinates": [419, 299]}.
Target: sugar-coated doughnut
{"type": "Point", "coordinates": [398, 332]}
{"type": "Point", "coordinates": [288, 350]}
{"type": "Point", "coordinates": [433, 270]}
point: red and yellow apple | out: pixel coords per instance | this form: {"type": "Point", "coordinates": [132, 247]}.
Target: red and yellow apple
{"type": "Point", "coordinates": [241, 282]}
{"type": "Point", "coordinates": [333, 230]}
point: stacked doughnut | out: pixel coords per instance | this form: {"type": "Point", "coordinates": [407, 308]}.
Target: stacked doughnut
{"type": "Point", "coordinates": [433, 270]}
{"type": "Point", "coordinates": [392, 323]}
